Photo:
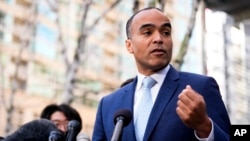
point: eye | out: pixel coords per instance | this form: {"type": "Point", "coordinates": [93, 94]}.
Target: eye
{"type": "Point", "coordinates": [166, 33]}
{"type": "Point", "coordinates": [147, 32]}
{"type": "Point", "coordinates": [57, 124]}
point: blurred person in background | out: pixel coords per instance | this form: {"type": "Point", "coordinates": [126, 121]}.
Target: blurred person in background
{"type": "Point", "coordinates": [60, 115]}
{"type": "Point", "coordinates": [126, 82]}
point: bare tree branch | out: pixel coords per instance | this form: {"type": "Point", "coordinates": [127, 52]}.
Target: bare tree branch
{"type": "Point", "coordinates": [2, 92]}
{"type": "Point", "coordinates": [152, 3]}
{"type": "Point", "coordinates": [136, 6]}
{"type": "Point", "coordinates": [52, 6]}
{"type": "Point", "coordinates": [64, 50]}
{"type": "Point", "coordinates": [103, 15]}
{"type": "Point", "coordinates": [72, 69]}
{"type": "Point", "coordinates": [184, 46]}
{"type": "Point", "coordinates": [25, 42]}
{"type": "Point", "coordinates": [71, 73]}
{"type": "Point", "coordinates": [156, 3]}
{"type": "Point", "coordinates": [162, 4]}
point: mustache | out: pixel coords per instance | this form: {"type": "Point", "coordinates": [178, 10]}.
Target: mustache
{"type": "Point", "coordinates": [159, 49]}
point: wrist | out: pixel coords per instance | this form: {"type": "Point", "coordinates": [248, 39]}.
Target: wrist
{"type": "Point", "coordinates": [204, 129]}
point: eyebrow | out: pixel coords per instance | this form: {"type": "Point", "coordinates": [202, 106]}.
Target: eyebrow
{"type": "Point", "coordinates": [167, 25]}
{"type": "Point", "coordinates": [152, 25]}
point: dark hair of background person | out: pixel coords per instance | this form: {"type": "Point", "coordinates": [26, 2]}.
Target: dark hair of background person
{"type": "Point", "coordinates": [126, 82]}
{"type": "Point", "coordinates": [70, 112]}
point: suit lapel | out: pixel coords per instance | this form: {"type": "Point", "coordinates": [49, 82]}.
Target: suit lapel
{"type": "Point", "coordinates": [128, 96]}
{"type": "Point", "coordinates": [165, 94]}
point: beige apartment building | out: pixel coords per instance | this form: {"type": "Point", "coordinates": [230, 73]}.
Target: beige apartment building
{"type": "Point", "coordinates": [30, 52]}
{"type": "Point", "coordinates": [30, 35]}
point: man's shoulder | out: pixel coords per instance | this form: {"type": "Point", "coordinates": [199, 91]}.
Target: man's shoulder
{"type": "Point", "coordinates": [193, 75]}
{"type": "Point", "coordinates": [187, 75]}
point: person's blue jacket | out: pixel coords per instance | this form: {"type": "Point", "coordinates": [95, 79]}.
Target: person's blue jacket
{"type": "Point", "coordinates": [164, 124]}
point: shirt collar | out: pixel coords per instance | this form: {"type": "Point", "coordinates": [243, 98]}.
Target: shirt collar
{"type": "Point", "coordinates": [158, 76]}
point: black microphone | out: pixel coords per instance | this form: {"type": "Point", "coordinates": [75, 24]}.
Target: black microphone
{"type": "Point", "coordinates": [56, 135]}
{"type": "Point", "coordinates": [121, 119]}
{"type": "Point", "coordinates": [74, 128]}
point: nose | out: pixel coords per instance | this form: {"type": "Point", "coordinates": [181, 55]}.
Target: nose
{"type": "Point", "coordinates": [157, 38]}
{"type": "Point", "coordinates": [62, 127]}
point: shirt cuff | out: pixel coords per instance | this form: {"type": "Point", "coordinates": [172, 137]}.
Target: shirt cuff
{"type": "Point", "coordinates": [211, 134]}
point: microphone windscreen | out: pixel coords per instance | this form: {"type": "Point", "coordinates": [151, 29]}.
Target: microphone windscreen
{"type": "Point", "coordinates": [74, 128]}
{"type": "Point", "coordinates": [74, 125]}
{"type": "Point", "coordinates": [126, 114]}
{"type": "Point", "coordinates": [36, 130]}
{"type": "Point", "coordinates": [56, 135]}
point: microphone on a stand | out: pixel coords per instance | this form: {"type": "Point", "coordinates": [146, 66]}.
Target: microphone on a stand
{"type": "Point", "coordinates": [74, 128]}
{"type": "Point", "coordinates": [121, 119]}
{"type": "Point", "coordinates": [56, 135]}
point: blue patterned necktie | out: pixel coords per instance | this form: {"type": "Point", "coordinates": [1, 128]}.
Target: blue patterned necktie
{"type": "Point", "coordinates": [144, 108]}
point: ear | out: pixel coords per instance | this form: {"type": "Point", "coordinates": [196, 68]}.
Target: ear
{"type": "Point", "coordinates": [129, 46]}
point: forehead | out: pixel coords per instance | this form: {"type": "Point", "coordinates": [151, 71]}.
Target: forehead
{"type": "Point", "coordinates": [151, 16]}
{"type": "Point", "coordinates": [58, 116]}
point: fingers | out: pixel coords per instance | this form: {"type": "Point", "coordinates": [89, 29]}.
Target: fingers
{"type": "Point", "coordinates": [190, 97]}
{"type": "Point", "coordinates": [186, 99]}
{"type": "Point", "coordinates": [188, 93]}
{"type": "Point", "coordinates": [190, 106]}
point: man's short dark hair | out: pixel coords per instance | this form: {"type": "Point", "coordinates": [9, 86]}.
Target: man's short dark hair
{"type": "Point", "coordinates": [128, 24]}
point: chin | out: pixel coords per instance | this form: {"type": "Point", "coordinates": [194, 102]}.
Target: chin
{"type": "Point", "coordinates": [159, 66]}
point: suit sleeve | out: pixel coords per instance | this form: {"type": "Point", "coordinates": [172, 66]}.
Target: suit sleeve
{"type": "Point", "coordinates": [216, 110]}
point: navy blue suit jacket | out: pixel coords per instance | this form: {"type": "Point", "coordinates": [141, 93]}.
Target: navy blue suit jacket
{"type": "Point", "coordinates": [164, 124]}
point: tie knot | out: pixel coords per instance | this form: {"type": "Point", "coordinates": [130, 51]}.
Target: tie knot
{"type": "Point", "coordinates": [148, 82]}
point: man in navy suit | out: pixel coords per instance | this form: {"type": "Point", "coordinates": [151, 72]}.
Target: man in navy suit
{"type": "Point", "coordinates": [186, 106]}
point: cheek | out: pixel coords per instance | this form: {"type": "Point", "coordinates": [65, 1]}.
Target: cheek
{"type": "Point", "coordinates": [169, 47]}
{"type": "Point", "coordinates": [137, 46]}
{"type": "Point", "coordinates": [170, 51]}
{"type": "Point", "coordinates": [137, 50]}
{"type": "Point", "coordinates": [169, 41]}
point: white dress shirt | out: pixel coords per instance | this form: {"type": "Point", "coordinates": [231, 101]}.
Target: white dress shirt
{"type": "Point", "coordinates": [159, 78]}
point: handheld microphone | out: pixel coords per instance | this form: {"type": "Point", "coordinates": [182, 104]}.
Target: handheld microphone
{"type": "Point", "coordinates": [74, 128]}
{"type": "Point", "coordinates": [56, 135]}
{"type": "Point", "coordinates": [121, 119]}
